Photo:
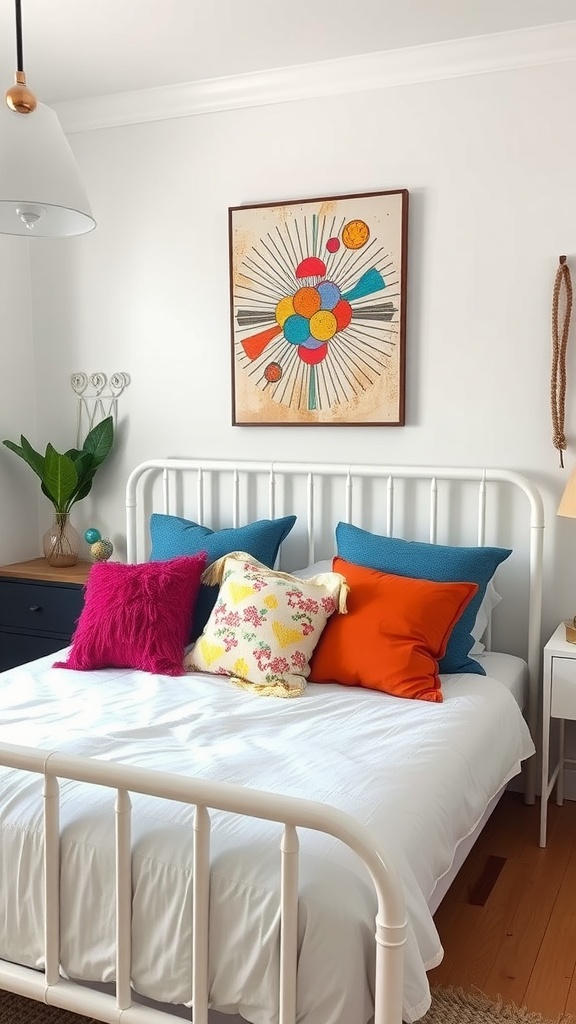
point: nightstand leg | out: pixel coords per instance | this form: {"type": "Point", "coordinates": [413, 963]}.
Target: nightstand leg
{"type": "Point", "coordinates": [546, 707]}
{"type": "Point", "coordinates": [560, 783]}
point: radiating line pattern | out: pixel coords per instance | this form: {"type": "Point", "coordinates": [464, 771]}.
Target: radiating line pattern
{"type": "Point", "coordinates": [316, 304]}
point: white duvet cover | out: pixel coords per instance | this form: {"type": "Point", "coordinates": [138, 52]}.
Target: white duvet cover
{"type": "Point", "coordinates": [418, 774]}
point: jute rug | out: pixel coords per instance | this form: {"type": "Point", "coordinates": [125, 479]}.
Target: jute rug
{"type": "Point", "coordinates": [17, 1010]}
{"type": "Point", "coordinates": [449, 1006]}
{"type": "Point", "coordinates": [454, 1006]}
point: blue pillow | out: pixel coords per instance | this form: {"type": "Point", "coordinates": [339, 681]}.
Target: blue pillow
{"type": "Point", "coordinates": [173, 537]}
{"type": "Point", "coordinates": [437, 562]}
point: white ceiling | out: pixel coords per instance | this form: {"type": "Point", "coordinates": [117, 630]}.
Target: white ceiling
{"type": "Point", "coordinates": [74, 49]}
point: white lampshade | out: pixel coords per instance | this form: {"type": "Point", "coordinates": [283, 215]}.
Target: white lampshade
{"type": "Point", "coordinates": [567, 506]}
{"type": "Point", "coordinates": [41, 193]}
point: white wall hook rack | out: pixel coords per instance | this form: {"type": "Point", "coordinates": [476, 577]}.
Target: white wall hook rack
{"type": "Point", "coordinates": [97, 395]}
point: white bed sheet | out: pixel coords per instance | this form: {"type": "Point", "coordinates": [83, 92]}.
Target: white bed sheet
{"type": "Point", "coordinates": [509, 670]}
{"type": "Point", "coordinates": [416, 773]}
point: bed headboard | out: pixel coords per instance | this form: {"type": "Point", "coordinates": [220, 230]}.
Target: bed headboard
{"type": "Point", "coordinates": [450, 505]}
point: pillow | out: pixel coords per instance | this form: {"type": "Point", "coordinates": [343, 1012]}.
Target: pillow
{"type": "Point", "coordinates": [395, 630]}
{"type": "Point", "coordinates": [172, 537]}
{"type": "Point", "coordinates": [136, 616]}
{"type": "Point", "coordinates": [436, 562]}
{"type": "Point", "coordinates": [313, 570]}
{"type": "Point", "coordinates": [265, 625]}
{"type": "Point", "coordinates": [489, 602]}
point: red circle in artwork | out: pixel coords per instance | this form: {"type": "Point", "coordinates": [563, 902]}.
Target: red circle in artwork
{"type": "Point", "coordinates": [333, 244]}
{"type": "Point", "coordinates": [312, 355]}
{"type": "Point", "coordinates": [343, 313]}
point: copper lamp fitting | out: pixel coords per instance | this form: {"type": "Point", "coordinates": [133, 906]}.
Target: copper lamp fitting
{"type": "Point", "coordinates": [19, 97]}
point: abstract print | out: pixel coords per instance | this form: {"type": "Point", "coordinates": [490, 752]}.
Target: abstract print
{"type": "Point", "coordinates": [318, 310]}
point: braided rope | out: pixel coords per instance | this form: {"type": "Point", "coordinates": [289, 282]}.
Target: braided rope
{"type": "Point", "coordinates": [559, 346]}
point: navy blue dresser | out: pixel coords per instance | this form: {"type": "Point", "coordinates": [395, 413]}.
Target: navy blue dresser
{"type": "Point", "coordinates": [39, 607]}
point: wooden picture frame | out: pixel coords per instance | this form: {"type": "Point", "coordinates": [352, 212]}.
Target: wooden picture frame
{"type": "Point", "coordinates": [318, 311]}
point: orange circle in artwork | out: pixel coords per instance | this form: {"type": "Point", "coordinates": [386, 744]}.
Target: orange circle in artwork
{"type": "Point", "coordinates": [284, 309]}
{"type": "Point", "coordinates": [312, 356]}
{"type": "Point", "coordinates": [355, 234]}
{"type": "Point", "coordinates": [323, 325]}
{"type": "Point", "coordinates": [307, 301]}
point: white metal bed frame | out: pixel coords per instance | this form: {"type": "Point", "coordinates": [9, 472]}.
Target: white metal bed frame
{"type": "Point", "coordinates": [292, 813]}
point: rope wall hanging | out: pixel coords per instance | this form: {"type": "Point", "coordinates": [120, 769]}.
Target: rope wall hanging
{"type": "Point", "coordinates": [562, 296]}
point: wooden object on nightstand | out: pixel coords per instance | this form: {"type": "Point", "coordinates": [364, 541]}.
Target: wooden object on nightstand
{"type": "Point", "coordinates": [570, 628]}
{"type": "Point", "coordinates": [558, 701]}
{"type": "Point", "coordinates": [39, 607]}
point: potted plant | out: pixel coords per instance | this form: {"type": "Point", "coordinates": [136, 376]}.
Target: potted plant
{"type": "Point", "coordinates": [66, 477]}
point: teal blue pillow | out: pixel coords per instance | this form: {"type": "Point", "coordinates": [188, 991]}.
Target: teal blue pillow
{"type": "Point", "coordinates": [439, 563]}
{"type": "Point", "coordinates": [173, 537]}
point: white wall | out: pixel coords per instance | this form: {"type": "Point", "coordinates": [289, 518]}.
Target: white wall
{"type": "Point", "coordinates": [490, 163]}
{"type": "Point", "coordinates": [18, 490]}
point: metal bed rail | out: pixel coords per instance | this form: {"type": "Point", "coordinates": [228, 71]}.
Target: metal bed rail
{"type": "Point", "coordinates": [290, 812]}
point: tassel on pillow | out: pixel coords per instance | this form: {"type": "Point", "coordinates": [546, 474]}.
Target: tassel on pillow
{"type": "Point", "coordinates": [213, 575]}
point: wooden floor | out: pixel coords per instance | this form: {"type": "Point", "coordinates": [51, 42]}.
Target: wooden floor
{"type": "Point", "coordinates": [508, 923]}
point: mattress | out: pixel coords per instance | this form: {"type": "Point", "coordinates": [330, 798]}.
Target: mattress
{"type": "Point", "coordinates": [508, 669]}
{"type": "Point", "coordinates": [416, 773]}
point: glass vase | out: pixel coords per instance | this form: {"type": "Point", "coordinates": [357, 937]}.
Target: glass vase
{"type": "Point", "coordinates": [61, 543]}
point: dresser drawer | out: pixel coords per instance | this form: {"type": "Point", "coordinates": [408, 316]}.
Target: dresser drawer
{"type": "Point", "coordinates": [563, 688]}
{"type": "Point", "coordinates": [16, 648]}
{"type": "Point", "coordinates": [40, 607]}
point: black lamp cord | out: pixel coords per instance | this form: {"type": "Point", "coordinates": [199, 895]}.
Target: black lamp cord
{"type": "Point", "coordinates": [19, 54]}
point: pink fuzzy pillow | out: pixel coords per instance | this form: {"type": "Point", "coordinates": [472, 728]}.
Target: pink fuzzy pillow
{"type": "Point", "coordinates": [137, 616]}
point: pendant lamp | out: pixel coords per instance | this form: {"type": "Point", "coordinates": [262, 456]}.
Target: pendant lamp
{"type": "Point", "coordinates": [41, 192]}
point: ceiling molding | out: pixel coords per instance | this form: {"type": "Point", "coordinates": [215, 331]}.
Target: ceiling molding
{"type": "Point", "coordinates": [503, 51]}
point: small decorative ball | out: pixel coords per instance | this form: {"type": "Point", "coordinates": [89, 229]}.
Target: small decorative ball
{"type": "Point", "coordinates": [101, 550]}
{"type": "Point", "coordinates": [92, 535]}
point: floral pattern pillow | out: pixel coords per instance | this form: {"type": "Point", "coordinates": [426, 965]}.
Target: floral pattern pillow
{"type": "Point", "coordinates": [265, 624]}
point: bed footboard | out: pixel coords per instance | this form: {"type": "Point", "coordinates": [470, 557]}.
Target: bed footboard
{"type": "Point", "coordinates": [293, 813]}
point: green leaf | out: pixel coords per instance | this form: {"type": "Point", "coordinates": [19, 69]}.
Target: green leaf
{"type": "Point", "coordinates": [60, 477]}
{"type": "Point", "coordinates": [100, 440]}
{"type": "Point", "coordinates": [15, 448]}
{"type": "Point", "coordinates": [67, 478]}
{"type": "Point", "coordinates": [85, 469]}
{"type": "Point", "coordinates": [85, 465]}
{"type": "Point", "coordinates": [45, 491]}
{"type": "Point", "coordinates": [35, 459]}
{"type": "Point", "coordinates": [83, 490]}
{"type": "Point", "coordinates": [26, 452]}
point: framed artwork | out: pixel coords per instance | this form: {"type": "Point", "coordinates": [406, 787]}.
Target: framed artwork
{"type": "Point", "coordinates": [318, 311]}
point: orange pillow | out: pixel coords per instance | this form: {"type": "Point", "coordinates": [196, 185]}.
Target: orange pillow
{"type": "Point", "coordinates": [395, 631]}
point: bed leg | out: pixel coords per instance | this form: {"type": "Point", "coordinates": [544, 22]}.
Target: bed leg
{"type": "Point", "coordinates": [529, 779]}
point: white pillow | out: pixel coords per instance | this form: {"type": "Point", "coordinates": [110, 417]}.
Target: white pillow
{"type": "Point", "coordinates": [313, 570]}
{"type": "Point", "coordinates": [489, 602]}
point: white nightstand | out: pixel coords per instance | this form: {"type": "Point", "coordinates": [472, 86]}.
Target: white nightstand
{"type": "Point", "coordinates": [559, 701]}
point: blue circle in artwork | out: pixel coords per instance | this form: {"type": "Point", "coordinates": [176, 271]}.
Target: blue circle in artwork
{"type": "Point", "coordinates": [92, 535]}
{"type": "Point", "coordinates": [329, 294]}
{"type": "Point", "coordinates": [312, 343]}
{"type": "Point", "coordinates": [296, 329]}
